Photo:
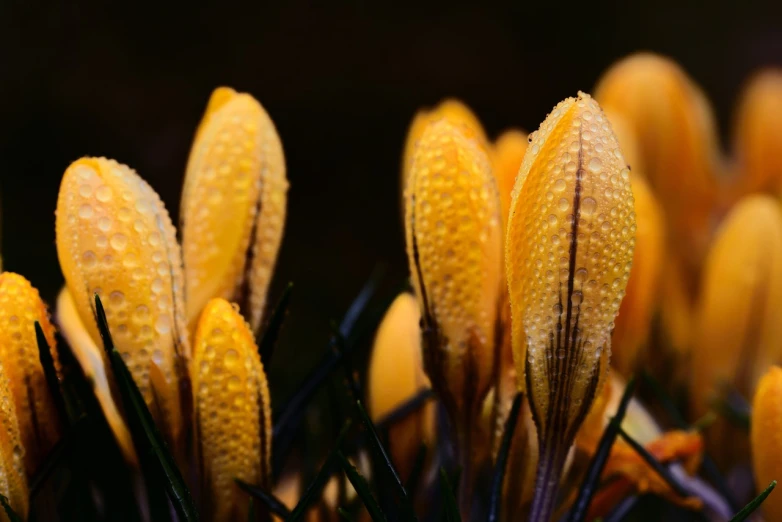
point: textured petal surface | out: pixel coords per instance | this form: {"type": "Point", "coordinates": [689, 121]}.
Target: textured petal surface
{"type": "Point", "coordinates": [233, 205]}
{"type": "Point", "coordinates": [20, 308]}
{"type": "Point", "coordinates": [454, 247]}
{"type": "Point", "coordinates": [233, 410]}
{"type": "Point", "coordinates": [766, 437]}
{"type": "Point", "coordinates": [507, 155]}
{"type": "Point", "coordinates": [13, 481]}
{"type": "Point", "coordinates": [396, 374]}
{"type": "Point", "coordinates": [115, 239]}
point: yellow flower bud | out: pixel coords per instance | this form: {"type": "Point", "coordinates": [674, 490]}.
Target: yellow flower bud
{"type": "Point", "coordinates": [450, 109]}
{"type": "Point", "coordinates": [20, 308]}
{"type": "Point", "coordinates": [396, 375]}
{"type": "Point", "coordinates": [758, 137]}
{"type": "Point", "coordinates": [233, 206]}
{"type": "Point", "coordinates": [737, 328]}
{"type": "Point", "coordinates": [766, 426]}
{"type": "Point", "coordinates": [115, 239]}
{"type": "Point", "coordinates": [453, 245]}
{"type": "Point", "coordinates": [91, 360]}
{"type": "Point", "coordinates": [569, 249]}
{"type": "Point", "coordinates": [232, 410]}
{"type": "Point", "coordinates": [13, 481]}
{"type": "Point", "coordinates": [678, 146]}
{"type": "Point", "coordinates": [633, 324]}
{"type": "Point", "coordinates": [507, 154]}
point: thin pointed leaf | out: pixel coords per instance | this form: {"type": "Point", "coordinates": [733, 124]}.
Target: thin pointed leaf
{"type": "Point", "coordinates": [362, 489]}
{"type": "Point", "coordinates": [268, 340]}
{"type": "Point", "coordinates": [449, 498]}
{"type": "Point", "coordinates": [315, 488]}
{"type": "Point", "coordinates": [754, 504]}
{"type": "Point", "coordinates": [405, 409]}
{"type": "Point", "coordinates": [251, 511]}
{"type": "Point", "coordinates": [50, 374]}
{"type": "Point", "coordinates": [592, 477]}
{"type": "Point", "coordinates": [417, 470]}
{"type": "Point", "coordinates": [142, 423]}
{"type": "Point", "coordinates": [358, 305]}
{"type": "Point", "coordinates": [502, 459]}
{"type": "Point", "coordinates": [274, 504]}
{"type": "Point", "coordinates": [655, 464]}
{"type": "Point", "coordinates": [12, 516]}
{"type": "Point", "coordinates": [619, 513]}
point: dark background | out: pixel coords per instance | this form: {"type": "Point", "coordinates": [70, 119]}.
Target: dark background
{"type": "Point", "coordinates": [341, 82]}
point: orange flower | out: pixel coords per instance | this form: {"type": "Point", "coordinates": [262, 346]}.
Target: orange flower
{"type": "Point", "coordinates": [766, 437]}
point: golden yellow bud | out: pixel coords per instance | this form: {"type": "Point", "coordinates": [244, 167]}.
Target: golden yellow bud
{"type": "Point", "coordinates": [233, 206]}
{"type": "Point", "coordinates": [766, 426]}
{"type": "Point", "coordinates": [232, 410]}
{"type": "Point", "coordinates": [737, 326]}
{"type": "Point", "coordinates": [13, 481]}
{"type": "Point", "coordinates": [633, 324]}
{"type": "Point", "coordinates": [453, 245]}
{"type": "Point", "coordinates": [678, 146]}
{"type": "Point", "coordinates": [569, 249]}
{"type": "Point", "coordinates": [507, 155]}
{"type": "Point", "coordinates": [91, 360]}
{"type": "Point", "coordinates": [396, 375]}
{"type": "Point", "coordinates": [115, 239]}
{"type": "Point", "coordinates": [758, 136]}
{"type": "Point", "coordinates": [20, 308]}
{"type": "Point", "coordinates": [450, 109]}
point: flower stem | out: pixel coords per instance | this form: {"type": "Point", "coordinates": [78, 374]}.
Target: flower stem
{"type": "Point", "coordinates": [550, 466]}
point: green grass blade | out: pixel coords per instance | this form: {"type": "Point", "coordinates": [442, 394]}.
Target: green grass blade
{"type": "Point", "coordinates": [655, 464]}
{"type": "Point", "coordinates": [362, 489]}
{"type": "Point", "coordinates": [274, 504]}
{"type": "Point", "coordinates": [143, 425]}
{"type": "Point", "coordinates": [449, 499]}
{"type": "Point", "coordinates": [754, 504]}
{"type": "Point", "coordinates": [271, 333]}
{"type": "Point", "coordinates": [9, 511]}
{"type": "Point", "coordinates": [50, 374]}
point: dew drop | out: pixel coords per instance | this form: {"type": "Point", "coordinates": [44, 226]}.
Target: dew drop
{"type": "Point", "coordinates": [103, 194]}
{"type": "Point", "coordinates": [85, 211]}
{"type": "Point", "coordinates": [563, 204]}
{"type": "Point", "coordinates": [588, 206]}
{"type": "Point", "coordinates": [119, 242]}
{"type": "Point", "coordinates": [595, 165]}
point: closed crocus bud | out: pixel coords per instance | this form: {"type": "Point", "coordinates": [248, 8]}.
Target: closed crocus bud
{"type": "Point", "coordinates": [20, 308]}
{"type": "Point", "coordinates": [90, 358]}
{"type": "Point", "coordinates": [453, 246]}
{"type": "Point", "coordinates": [678, 146]}
{"type": "Point", "coordinates": [765, 428]}
{"type": "Point", "coordinates": [737, 326]}
{"type": "Point", "coordinates": [115, 239]}
{"type": "Point", "coordinates": [396, 375]}
{"type": "Point", "coordinates": [450, 109]}
{"type": "Point", "coordinates": [633, 324]}
{"type": "Point", "coordinates": [758, 137]}
{"type": "Point", "coordinates": [233, 206]}
{"type": "Point", "coordinates": [507, 154]}
{"type": "Point", "coordinates": [232, 411]}
{"type": "Point", "coordinates": [13, 481]}
{"type": "Point", "coordinates": [569, 249]}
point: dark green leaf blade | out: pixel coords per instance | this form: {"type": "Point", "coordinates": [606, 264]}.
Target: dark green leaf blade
{"type": "Point", "coordinates": [451, 506]}
{"type": "Point", "coordinates": [274, 504]}
{"type": "Point", "coordinates": [50, 374]}
{"type": "Point", "coordinates": [362, 488]}
{"type": "Point", "coordinates": [141, 421]}
{"type": "Point", "coordinates": [655, 464]}
{"type": "Point", "coordinates": [9, 511]}
{"type": "Point", "coordinates": [754, 504]}
{"type": "Point", "coordinates": [502, 459]}
{"type": "Point", "coordinates": [268, 340]}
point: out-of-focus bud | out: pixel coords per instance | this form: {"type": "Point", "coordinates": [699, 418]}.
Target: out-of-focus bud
{"type": "Point", "coordinates": [20, 308]}
{"type": "Point", "coordinates": [738, 329]}
{"type": "Point", "coordinates": [13, 481]}
{"type": "Point", "coordinates": [507, 155]}
{"type": "Point", "coordinates": [454, 248]}
{"type": "Point", "coordinates": [758, 137]}
{"type": "Point", "coordinates": [396, 375]}
{"type": "Point", "coordinates": [90, 358]}
{"type": "Point", "coordinates": [115, 239]}
{"type": "Point", "coordinates": [678, 147]}
{"type": "Point", "coordinates": [449, 109]}
{"type": "Point", "coordinates": [765, 427]}
{"type": "Point", "coordinates": [569, 249]}
{"type": "Point", "coordinates": [232, 410]}
{"type": "Point", "coordinates": [633, 324]}
{"type": "Point", "coordinates": [233, 206]}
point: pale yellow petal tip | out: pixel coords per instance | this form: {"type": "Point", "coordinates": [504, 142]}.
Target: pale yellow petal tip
{"type": "Point", "coordinates": [507, 155]}
{"type": "Point", "coordinates": [230, 396]}
{"type": "Point", "coordinates": [91, 360]}
{"type": "Point", "coordinates": [115, 239]}
{"type": "Point", "coordinates": [233, 206]}
{"type": "Point", "coordinates": [454, 251]}
{"type": "Point", "coordinates": [20, 308]}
